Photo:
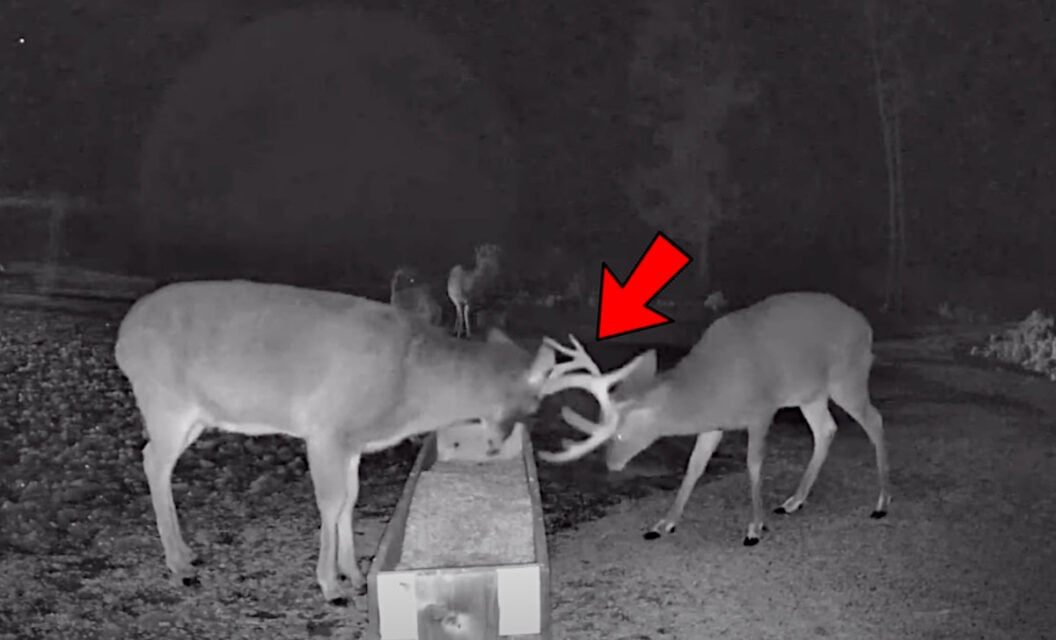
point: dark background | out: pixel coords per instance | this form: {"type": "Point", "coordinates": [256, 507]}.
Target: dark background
{"type": "Point", "coordinates": [313, 147]}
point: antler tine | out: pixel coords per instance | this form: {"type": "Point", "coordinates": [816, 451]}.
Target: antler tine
{"type": "Point", "coordinates": [599, 432]}
{"type": "Point", "coordinates": [556, 346]}
{"type": "Point", "coordinates": [579, 358]}
{"type": "Point", "coordinates": [584, 381]}
{"type": "Point", "coordinates": [596, 384]}
{"type": "Point", "coordinates": [578, 449]}
{"type": "Point", "coordinates": [574, 419]}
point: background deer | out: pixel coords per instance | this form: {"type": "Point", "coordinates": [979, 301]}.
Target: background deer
{"type": "Point", "coordinates": [789, 350]}
{"type": "Point", "coordinates": [346, 374]}
{"type": "Point", "coordinates": [715, 302]}
{"type": "Point", "coordinates": [407, 292]}
{"type": "Point", "coordinates": [466, 287]}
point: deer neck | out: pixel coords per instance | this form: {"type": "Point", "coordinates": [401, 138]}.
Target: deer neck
{"type": "Point", "coordinates": [696, 400]}
{"type": "Point", "coordinates": [666, 410]}
{"type": "Point", "coordinates": [473, 375]}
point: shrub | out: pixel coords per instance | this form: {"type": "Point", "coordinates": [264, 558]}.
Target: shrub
{"type": "Point", "coordinates": [1030, 344]}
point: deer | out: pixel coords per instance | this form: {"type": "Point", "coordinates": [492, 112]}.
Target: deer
{"type": "Point", "coordinates": [465, 287]}
{"type": "Point", "coordinates": [715, 302]}
{"type": "Point", "coordinates": [414, 297]}
{"type": "Point", "coordinates": [797, 349]}
{"type": "Point", "coordinates": [348, 375]}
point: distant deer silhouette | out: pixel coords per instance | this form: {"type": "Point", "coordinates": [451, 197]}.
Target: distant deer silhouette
{"type": "Point", "coordinates": [466, 287]}
{"type": "Point", "coordinates": [408, 294]}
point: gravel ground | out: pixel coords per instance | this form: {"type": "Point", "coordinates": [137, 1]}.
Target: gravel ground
{"type": "Point", "coordinates": [78, 545]}
{"type": "Point", "coordinates": [963, 553]}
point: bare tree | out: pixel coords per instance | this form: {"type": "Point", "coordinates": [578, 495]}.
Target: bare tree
{"type": "Point", "coordinates": [686, 81]}
{"type": "Point", "coordinates": [890, 81]}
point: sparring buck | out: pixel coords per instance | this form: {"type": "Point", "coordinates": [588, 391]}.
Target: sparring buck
{"type": "Point", "coordinates": [790, 350]}
{"type": "Point", "coordinates": [348, 375]}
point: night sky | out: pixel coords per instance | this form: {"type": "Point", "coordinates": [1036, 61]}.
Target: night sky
{"type": "Point", "coordinates": [289, 144]}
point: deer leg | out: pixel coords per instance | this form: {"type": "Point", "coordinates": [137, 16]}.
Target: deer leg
{"type": "Point", "coordinates": [458, 317]}
{"type": "Point", "coordinates": [756, 451]}
{"type": "Point", "coordinates": [698, 461]}
{"type": "Point", "coordinates": [854, 399]}
{"type": "Point", "coordinates": [346, 552]}
{"type": "Point", "coordinates": [873, 424]}
{"type": "Point", "coordinates": [171, 431]}
{"type": "Point", "coordinates": [329, 464]}
{"type": "Point", "coordinates": [824, 429]}
{"type": "Point", "coordinates": [465, 316]}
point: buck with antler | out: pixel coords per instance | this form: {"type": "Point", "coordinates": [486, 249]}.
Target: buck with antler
{"type": "Point", "coordinates": [348, 375]}
{"type": "Point", "coordinates": [466, 287]}
{"type": "Point", "coordinates": [789, 350]}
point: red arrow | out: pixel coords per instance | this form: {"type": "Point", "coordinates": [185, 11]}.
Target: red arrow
{"type": "Point", "coordinates": [623, 308]}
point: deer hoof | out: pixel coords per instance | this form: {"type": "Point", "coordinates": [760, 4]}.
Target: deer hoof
{"type": "Point", "coordinates": [750, 541]}
{"type": "Point", "coordinates": [357, 601]}
{"type": "Point", "coordinates": [876, 515]}
{"type": "Point", "coordinates": [659, 529]}
{"type": "Point", "coordinates": [353, 586]}
{"type": "Point", "coordinates": [791, 505]}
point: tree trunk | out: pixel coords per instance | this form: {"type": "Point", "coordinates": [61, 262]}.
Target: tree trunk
{"type": "Point", "coordinates": [889, 159]}
{"type": "Point", "coordinates": [900, 199]}
{"type": "Point", "coordinates": [890, 302]}
{"type": "Point", "coordinates": [703, 258]}
{"type": "Point", "coordinates": [903, 251]}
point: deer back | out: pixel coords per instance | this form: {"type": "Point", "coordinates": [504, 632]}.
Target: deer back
{"type": "Point", "coordinates": [253, 353]}
{"type": "Point", "coordinates": [783, 351]}
{"type": "Point", "coordinates": [260, 358]}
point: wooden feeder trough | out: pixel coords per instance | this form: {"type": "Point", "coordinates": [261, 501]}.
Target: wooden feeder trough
{"type": "Point", "coordinates": [464, 555]}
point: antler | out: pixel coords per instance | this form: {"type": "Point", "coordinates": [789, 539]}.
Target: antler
{"type": "Point", "coordinates": [577, 421]}
{"type": "Point", "coordinates": [580, 358]}
{"type": "Point", "coordinates": [595, 383]}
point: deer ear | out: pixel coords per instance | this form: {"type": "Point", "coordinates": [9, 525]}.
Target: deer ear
{"type": "Point", "coordinates": [496, 336]}
{"type": "Point", "coordinates": [643, 371]}
{"type": "Point", "coordinates": [544, 362]}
